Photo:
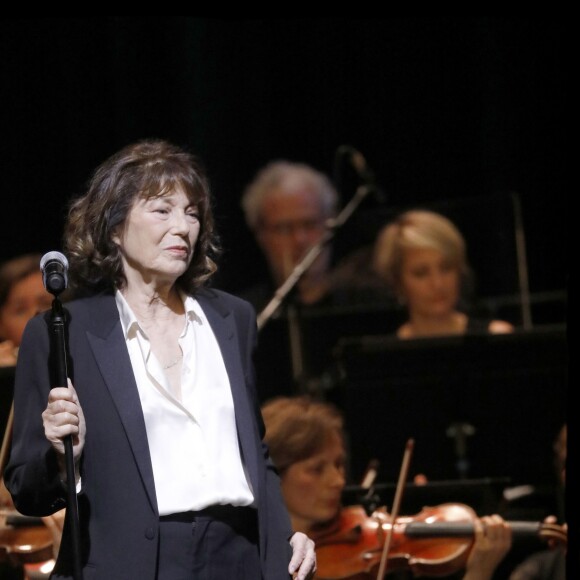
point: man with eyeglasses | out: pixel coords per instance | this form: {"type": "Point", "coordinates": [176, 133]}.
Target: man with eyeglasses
{"type": "Point", "coordinates": [288, 207]}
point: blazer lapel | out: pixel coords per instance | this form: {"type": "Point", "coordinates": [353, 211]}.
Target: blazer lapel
{"type": "Point", "coordinates": [221, 319]}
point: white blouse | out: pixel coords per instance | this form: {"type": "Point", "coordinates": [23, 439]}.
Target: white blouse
{"type": "Point", "coordinates": [194, 445]}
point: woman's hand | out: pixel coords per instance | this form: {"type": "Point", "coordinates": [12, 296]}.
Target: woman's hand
{"type": "Point", "coordinates": [303, 563]}
{"type": "Point", "coordinates": [555, 542]}
{"type": "Point", "coordinates": [493, 540]}
{"type": "Point", "coordinates": [63, 416]}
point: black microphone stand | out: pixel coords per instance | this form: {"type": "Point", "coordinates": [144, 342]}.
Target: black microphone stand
{"type": "Point", "coordinates": [59, 359]}
{"type": "Point", "coordinates": [284, 290]}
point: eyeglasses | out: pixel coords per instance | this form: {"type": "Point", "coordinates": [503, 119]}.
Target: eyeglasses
{"type": "Point", "coordinates": [289, 228]}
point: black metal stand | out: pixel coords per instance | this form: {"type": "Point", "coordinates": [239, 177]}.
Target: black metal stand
{"type": "Point", "coordinates": [59, 359]}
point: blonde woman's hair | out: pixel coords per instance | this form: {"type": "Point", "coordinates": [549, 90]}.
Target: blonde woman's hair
{"type": "Point", "coordinates": [422, 229]}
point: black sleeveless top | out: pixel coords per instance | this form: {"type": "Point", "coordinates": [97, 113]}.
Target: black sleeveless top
{"type": "Point", "coordinates": [477, 325]}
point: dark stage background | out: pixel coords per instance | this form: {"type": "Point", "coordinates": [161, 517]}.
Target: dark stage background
{"type": "Point", "coordinates": [443, 109]}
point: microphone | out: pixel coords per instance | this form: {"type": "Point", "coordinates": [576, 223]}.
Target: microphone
{"type": "Point", "coordinates": [54, 267]}
{"type": "Point", "coordinates": [365, 173]}
{"type": "Point", "coordinates": [361, 166]}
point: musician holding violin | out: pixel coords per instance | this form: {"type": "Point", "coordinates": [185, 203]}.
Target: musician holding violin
{"type": "Point", "coordinates": [307, 443]}
{"type": "Point", "coordinates": [550, 563]}
{"type": "Point", "coordinates": [26, 551]}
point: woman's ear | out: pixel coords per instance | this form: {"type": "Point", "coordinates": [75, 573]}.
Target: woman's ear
{"type": "Point", "coordinates": [116, 236]}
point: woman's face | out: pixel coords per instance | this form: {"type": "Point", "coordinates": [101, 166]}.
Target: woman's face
{"type": "Point", "coordinates": [26, 298]}
{"type": "Point", "coordinates": [429, 282]}
{"type": "Point", "coordinates": [158, 238]}
{"type": "Point", "coordinates": [312, 488]}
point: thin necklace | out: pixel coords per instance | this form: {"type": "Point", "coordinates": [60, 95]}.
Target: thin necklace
{"type": "Point", "coordinates": [172, 364]}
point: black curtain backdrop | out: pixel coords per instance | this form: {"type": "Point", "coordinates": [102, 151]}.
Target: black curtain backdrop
{"type": "Point", "coordinates": [442, 108]}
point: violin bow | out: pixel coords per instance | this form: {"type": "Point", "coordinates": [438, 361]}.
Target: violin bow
{"type": "Point", "coordinates": [396, 505]}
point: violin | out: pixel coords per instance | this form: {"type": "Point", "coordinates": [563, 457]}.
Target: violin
{"type": "Point", "coordinates": [26, 543]}
{"type": "Point", "coordinates": [23, 540]}
{"type": "Point", "coordinates": [435, 542]}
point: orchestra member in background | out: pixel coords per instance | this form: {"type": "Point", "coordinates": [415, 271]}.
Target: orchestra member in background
{"type": "Point", "coordinates": [422, 257]}
{"type": "Point", "coordinates": [172, 476]}
{"type": "Point", "coordinates": [288, 207]}
{"type": "Point", "coordinates": [307, 443]}
{"type": "Point", "coordinates": [22, 296]}
{"type": "Point", "coordinates": [550, 563]}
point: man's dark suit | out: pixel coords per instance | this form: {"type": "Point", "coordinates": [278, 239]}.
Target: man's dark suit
{"type": "Point", "coordinates": [118, 514]}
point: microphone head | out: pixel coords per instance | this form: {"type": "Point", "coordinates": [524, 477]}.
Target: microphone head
{"type": "Point", "coordinates": [54, 267]}
{"type": "Point", "coordinates": [61, 258]}
{"type": "Point", "coordinates": [359, 164]}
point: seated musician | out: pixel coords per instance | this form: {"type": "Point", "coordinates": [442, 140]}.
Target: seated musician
{"type": "Point", "coordinates": [549, 563]}
{"type": "Point", "coordinates": [308, 445]}
{"type": "Point", "coordinates": [422, 257]}
{"type": "Point", "coordinates": [22, 296]}
{"type": "Point", "coordinates": [289, 206]}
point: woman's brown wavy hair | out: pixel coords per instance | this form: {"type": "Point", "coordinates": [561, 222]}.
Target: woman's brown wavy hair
{"type": "Point", "coordinates": [146, 169]}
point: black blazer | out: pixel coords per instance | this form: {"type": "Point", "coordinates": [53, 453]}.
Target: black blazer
{"type": "Point", "coordinates": [119, 519]}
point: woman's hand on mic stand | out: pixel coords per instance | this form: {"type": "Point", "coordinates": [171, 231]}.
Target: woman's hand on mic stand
{"type": "Point", "coordinates": [64, 416]}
